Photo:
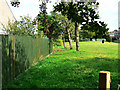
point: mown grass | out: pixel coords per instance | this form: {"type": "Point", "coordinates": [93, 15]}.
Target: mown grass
{"type": "Point", "coordinates": [71, 69]}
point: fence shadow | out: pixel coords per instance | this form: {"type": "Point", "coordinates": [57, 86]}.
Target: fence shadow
{"type": "Point", "coordinates": [19, 53]}
{"type": "Point", "coordinates": [14, 60]}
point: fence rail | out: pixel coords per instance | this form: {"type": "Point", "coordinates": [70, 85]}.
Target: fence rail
{"type": "Point", "coordinates": [18, 53]}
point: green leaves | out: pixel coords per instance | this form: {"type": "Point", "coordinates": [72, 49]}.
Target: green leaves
{"type": "Point", "coordinates": [24, 27]}
{"type": "Point", "coordinates": [49, 25]}
{"type": "Point", "coordinates": [15, 3]}
{"type": "Point", "coordinates": [77, 12]}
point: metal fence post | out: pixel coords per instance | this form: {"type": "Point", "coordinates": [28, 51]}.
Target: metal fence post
{"type": "Point", "coordinates": [0, 62]}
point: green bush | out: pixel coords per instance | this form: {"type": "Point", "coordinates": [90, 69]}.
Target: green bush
{"type": "Point", "coordinates": [58, 42]}
{"type": "Point", "coordinates": [107, 38]}
{"type": "Point", "coordinates": [86, 39]}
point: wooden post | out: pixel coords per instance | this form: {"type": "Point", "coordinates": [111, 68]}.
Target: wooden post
{"type": "Point", "coordinates": [118, 88]}
{"type": "Point", "coordinates": [111, 38]}
{"type": "Point", "coordinates": [104, 80]}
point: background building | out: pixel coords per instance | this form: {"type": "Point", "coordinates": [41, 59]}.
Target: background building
{"type": "Point", "coordinates": [5, 14]}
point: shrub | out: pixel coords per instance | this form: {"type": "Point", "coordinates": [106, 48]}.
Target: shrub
{"type": "Point", "coordinates": [107, 38]}
{"type": "Point", "coordinates": [113, 39]}
{"type": "Point", "coordinates": [58, 42]}
{"type": "Point", "coordinates": [86, 39]}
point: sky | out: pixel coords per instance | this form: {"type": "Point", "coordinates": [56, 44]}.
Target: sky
{"type": "Point", "coordinates": [108, 10]}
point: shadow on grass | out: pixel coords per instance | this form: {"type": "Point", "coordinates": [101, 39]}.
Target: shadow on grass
{"type": "Point", "coordinates": [11, 66]}
{"type": "Point", "coordinates": [67, 74]}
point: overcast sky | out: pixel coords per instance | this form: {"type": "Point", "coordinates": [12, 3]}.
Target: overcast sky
{"type": "Point", "coordinates": [108, 10]}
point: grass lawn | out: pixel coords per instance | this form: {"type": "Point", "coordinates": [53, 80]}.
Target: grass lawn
{"type": "Point", "coordinates": [72, 69]}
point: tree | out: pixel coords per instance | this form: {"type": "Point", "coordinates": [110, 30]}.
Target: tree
{"type": "Point", "coordinates": [44, 22]}
{"type": "Point", "coordinates": [86, 34]}
{"type": "Point", "coordinates": [66, 26]}
{"type": "Point", "coordinates": [15, 3]}
{"type": "Point", "coordinates": [49, 26]}
{"type": "Point", "coordinates": [116, 34]}
{"type": "Point", "coordinates": [23, 27]}
{"type": "Point", "coordinates": [99, 27]}
{"type": "Point", "coordinates": [78, 13]}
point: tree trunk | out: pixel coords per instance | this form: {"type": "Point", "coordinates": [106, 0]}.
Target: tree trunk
{"type": "Point", "coordinates": [95, 36]}
{"type": "Point", "coordinates": [69, 38]}
{"type": "Point", "coordinates": [77, 37]}
{"type": "Point", "coordinates": [64, 40]}
{"type": "Point", "coordinates": [50, 46]}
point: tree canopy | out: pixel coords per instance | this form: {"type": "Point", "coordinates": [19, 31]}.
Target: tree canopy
{"type": "Point", "coordinates": [23, 27]}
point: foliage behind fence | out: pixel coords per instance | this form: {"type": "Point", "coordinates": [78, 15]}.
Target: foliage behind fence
{"type": "Point", "coordinates": [19, 53]}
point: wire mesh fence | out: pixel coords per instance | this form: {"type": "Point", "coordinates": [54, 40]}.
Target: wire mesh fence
{"type": "Point", "coordinates": [18, 53]}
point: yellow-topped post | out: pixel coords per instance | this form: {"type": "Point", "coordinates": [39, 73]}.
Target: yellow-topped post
{"type": "Point", "coordinates": [104, 80]}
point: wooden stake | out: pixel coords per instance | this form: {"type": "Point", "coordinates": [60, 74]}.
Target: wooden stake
{"type": "Point", "coordinates": [104, 80]}
{"type": "Point", "coordinates": [118, 88]}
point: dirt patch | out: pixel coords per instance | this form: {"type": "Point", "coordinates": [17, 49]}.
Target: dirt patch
{"type": "Point", "coordinates": [60, 50]}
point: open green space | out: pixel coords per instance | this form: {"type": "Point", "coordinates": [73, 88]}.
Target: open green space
{"type": "Point", "coordinates": [72, 69]}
